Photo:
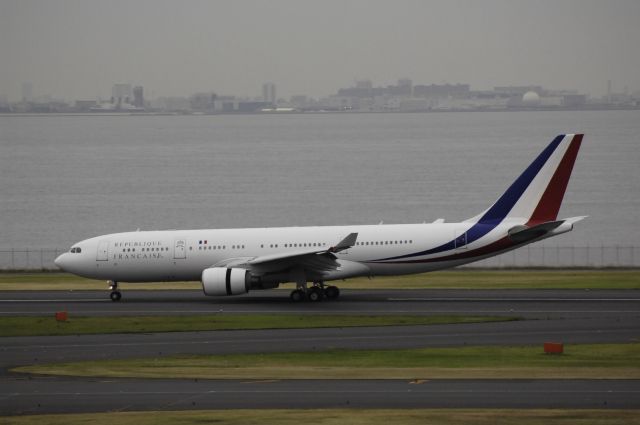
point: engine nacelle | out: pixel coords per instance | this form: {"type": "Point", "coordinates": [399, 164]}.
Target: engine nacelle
{"type": "Point", "coordinates": [218, 281]}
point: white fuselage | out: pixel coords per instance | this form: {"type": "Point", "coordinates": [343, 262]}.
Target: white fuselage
{"type": "Point", "coordinates": [171, 255]}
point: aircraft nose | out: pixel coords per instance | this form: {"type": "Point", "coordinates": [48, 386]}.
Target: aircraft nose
{"type": "Point", "coordinates": [60, 261]}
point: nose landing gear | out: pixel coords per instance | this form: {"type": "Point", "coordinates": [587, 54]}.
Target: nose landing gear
{"type": "Point", "coordinates": [115, 294]}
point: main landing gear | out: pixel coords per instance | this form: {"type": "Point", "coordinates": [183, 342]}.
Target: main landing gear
{"type": "Point", "coordinates": [115, 294]}
{"type": "Point", "coordinates": [315, 293]}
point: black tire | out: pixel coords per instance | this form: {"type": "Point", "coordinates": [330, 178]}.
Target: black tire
{"type": "Point", "coordinates": [297, 295]}
{"type": "Point", "coordinates": [115, 296]}
{"type": "Point", "coordinates": [315, 294]}
{"type": "Point", "coordinates": [332, 292]}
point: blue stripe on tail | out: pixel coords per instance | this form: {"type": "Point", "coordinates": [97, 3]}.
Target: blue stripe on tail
{"type": "Point", "coordinates": [501, 208]}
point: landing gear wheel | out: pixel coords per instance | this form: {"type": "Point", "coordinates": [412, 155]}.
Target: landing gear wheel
{"type": "Point", "coordinates": [115, 296]}
{"type": "Point", "coordinates": [332, 292]}
{"type": "Point", "coordinates": [315, 294]}
{"type": "Point", "coordinates": [297, 295]}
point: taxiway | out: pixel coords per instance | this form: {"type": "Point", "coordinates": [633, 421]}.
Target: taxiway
{"type": "Point", "coordinates": [565, 316]}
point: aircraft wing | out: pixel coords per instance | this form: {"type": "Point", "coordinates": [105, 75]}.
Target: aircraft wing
{"type": "Point", "coordinates": [313, 260]}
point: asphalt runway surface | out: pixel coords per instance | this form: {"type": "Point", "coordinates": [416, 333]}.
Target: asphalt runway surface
{"type": "Point", "coordinates": [59, 395]}
{"type": "Point", "coordinates": [526, 303]}
{"type": "Point", "coordinates": [569, 316]}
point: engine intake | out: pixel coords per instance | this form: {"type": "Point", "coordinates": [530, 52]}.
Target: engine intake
{"type": "Point", "coordinates": [218, 281]}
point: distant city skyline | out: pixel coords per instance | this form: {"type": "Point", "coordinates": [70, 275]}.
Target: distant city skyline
{"type": "Point", "coordinates": [28, 91]}
{"type": "Point", "coordinates": [126, 92]}
{"type": "Point", "coordinates": [72, 49]}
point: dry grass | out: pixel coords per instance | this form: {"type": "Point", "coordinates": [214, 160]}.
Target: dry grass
{"type": "Point", "coordinates": [588, 361]}
{"type": "Point", "coordinates": [343, 416]}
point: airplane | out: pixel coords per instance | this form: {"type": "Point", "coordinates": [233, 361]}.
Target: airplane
{"type": "Point", "coordinates": [237, 261]}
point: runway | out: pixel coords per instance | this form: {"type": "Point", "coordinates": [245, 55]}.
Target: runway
{"type": "Point", "coordinates": [46, 349]}
{"type": "Point", "coordinates": [565, 316]}
{"type": "Point", "coordinates": [57, 395]}
{"type": "Point", "coordinates": [525, 303]}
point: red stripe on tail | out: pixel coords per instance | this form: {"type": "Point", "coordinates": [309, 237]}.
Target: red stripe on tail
{"type": "Point", "coordinates": [549, 205]}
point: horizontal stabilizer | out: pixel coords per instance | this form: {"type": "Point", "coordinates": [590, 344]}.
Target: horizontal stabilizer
{"type": "Point", "coordinates": [523, 233]}
{"type": "Point", "coordinates": [574, 220]}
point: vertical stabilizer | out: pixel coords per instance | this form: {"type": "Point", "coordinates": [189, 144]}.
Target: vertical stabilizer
{"type": "Point", "coordinates": [535, 197]}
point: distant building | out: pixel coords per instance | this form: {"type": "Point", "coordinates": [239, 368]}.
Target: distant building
{"type": "Point", "coordinates": [85, 105]}
{"type": "Point", "coordinates": [232, 105]}
{"type": "Point", "coordinates": [138, 96]}
{"type": "Point", "coordinates": [413, 105]}
{"type": "Point", "coordinates": [172, 104]}
{"type": "Point", "coordinates": [251, 106]}
{"type": "Point", "coordinates": [531, 99]}
{"type": "Point", "coordinates": [203, 101]}
{"type": "Point", "coordinates": [574, 100]}
{"type": "Point", "coordinates": [404, 88]}
{"type": "Point", "coordinates": [269, 93]}
{"type": "Point", "coordinates": [27, 92]}
{"type": "Point", "coordinates": [441, 90]}
{"type": "Point", "coordinates": [519, 90]}
{"type": "Point", "coordinates": [121, 93]}
{"type": "Point", "coordinates": [363, 89]}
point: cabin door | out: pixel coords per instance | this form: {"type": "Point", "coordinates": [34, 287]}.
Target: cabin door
{"type": "Point", "coordinates": [103, 251]}
{"type": "Point", "coordinates": [460, 240]}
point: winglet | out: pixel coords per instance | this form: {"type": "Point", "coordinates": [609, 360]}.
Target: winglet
{"type": "Point", "coordinates": [346, 243]}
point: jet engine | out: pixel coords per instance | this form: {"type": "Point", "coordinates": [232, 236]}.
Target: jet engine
{"type": "Point", "coordinates": [225, 281]}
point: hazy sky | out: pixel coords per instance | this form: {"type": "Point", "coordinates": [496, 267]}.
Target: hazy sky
{"type": "Point", "coordinates": [79, 49]}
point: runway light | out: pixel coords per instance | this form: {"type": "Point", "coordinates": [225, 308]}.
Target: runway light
{"type": "Point", "coordinates": [61, 316]}
{"type": "Point", "coordinates": [553, 348]}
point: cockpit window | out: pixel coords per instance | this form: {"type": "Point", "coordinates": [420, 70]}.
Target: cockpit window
{"type": "Point", "coordinates": [76, 250]}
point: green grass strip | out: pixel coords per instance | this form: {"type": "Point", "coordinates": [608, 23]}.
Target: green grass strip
{"type": "Point", "coordinates": [507, 279]}
{"type": "Point", "coordinates": [342, 416]}
{"type": "Point", "coordinates": [451, 279]}
{"type": "Point", "coordinates": [594, 361]}
{"type": "Point", "coordinates": [77, 325]}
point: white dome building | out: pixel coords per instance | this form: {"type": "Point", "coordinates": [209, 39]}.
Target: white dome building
{"type": "Point", "coordinates": [531, 98]}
